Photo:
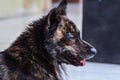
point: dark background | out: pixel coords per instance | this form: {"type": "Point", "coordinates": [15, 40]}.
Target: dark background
{"type": "Point", "coordinates": [101, 28]}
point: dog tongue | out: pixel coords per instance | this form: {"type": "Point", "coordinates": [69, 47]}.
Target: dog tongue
{"type": "Point", "coordinates": [83, 62]}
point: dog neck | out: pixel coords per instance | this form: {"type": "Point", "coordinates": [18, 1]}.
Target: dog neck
{"type": "Point", "coordinates": [28, 55]}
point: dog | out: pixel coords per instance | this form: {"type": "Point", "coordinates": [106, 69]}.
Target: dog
{"type": "Point", "coordinates": [39, 52]}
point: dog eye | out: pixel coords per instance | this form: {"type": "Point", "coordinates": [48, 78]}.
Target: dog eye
{"type": "Point", "coordinates": [71, 37]}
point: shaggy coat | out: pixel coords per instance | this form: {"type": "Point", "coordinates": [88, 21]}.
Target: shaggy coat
{"type": "Point", "coordinates": [38, 53]}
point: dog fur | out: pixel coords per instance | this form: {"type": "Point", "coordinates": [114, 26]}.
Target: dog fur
{"type": "Point", "coordinates": [39, 52]}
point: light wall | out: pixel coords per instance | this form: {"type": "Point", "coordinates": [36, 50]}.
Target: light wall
{"type": "Point", "coordinates": [10, 8]}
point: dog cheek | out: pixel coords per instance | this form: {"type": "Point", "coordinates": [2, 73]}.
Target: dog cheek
{"type": "Point", "coordinates": [57, 36]}
{"type": "Point", "coordinates": [71, 49]}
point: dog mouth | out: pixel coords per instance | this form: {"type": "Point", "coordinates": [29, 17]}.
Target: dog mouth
{"type": "Point", "coordinates": [74, 60]}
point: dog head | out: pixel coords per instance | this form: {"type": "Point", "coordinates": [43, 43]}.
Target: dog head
{"type": "Point", "coordinates": [63, 40]}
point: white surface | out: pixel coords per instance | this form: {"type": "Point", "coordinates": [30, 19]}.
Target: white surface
{"type": "Point", "coordinates": [94, 71]}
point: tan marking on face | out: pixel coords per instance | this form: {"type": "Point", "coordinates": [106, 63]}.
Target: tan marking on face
{"type": "Point", "coordinates": [72, 28]}
{"type": "Point", "coordinates": [70, 48]}
{"type": "Point", "coordinates": [58, 35]}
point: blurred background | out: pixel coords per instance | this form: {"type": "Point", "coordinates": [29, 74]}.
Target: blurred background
{"type": "Point", "coordinates": [98, 21]}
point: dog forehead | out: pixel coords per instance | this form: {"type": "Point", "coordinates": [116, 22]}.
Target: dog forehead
{"type": "Point", "coordinates": [68, 26]}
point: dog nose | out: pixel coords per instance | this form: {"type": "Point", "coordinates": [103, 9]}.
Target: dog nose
{"type": "Point", "coordinates": [93, 51]}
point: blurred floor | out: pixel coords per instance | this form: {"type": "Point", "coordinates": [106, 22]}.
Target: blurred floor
{"type": "Point", "coordinates": [11, 28]}
{"type": "Point", "coordinates": [94, 71]}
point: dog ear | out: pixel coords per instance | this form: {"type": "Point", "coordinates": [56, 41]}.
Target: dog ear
{"type": "Point", "coordinates": [54, 16]}
{"type": "Point", "coordinates": [60, 10]}
{"type": "Point", "coordinates": [62, 7]}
